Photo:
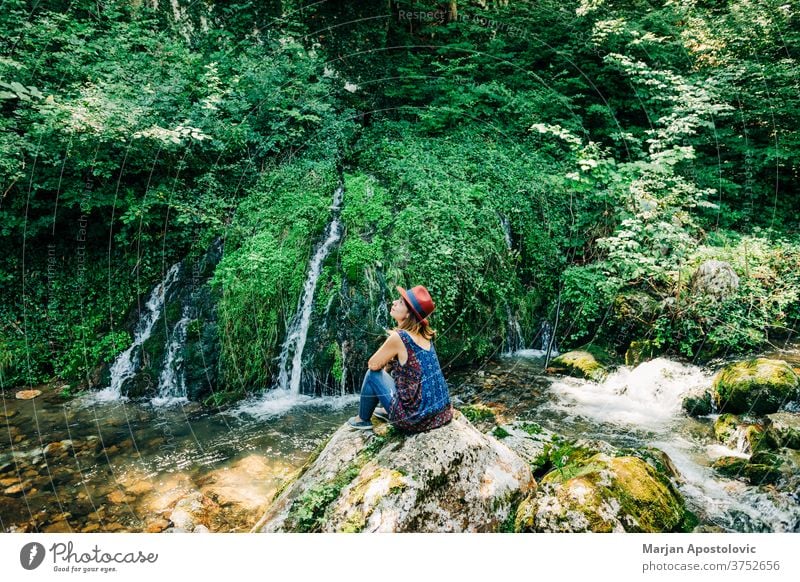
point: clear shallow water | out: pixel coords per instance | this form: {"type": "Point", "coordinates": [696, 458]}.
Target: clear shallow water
{"type": "Point", "coordinates": [122, 465]}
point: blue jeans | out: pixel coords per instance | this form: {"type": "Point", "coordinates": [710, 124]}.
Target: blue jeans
{"type": "Point", "coordinates": [376, 387]}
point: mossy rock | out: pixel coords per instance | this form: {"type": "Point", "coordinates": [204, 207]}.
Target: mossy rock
{"type": "Point", "coordinates": [784, 429]}
{"type": "Point", "coordinates": [580, 363]}
{"type": "Point", "coordinates": [731, 467]}
{"type": "Point", "coordinates": [478, 413]}
{"type": "Point", "coordinates": [730, 430]}
{"type": "Point", "coordinates": [640, 351]}
{"type": "Point", "coordinates": [725, 427]}
{"type": "Point", "coordinates": [604, 494]}
{"type": "Point", "coordinates": [698, 404]}
{"type": "Point", "coordinates": [762, 468]}
{"type": "Point", "coordinates": [759, 474]}
{"type": "Point", "coordinates": [757, 386]}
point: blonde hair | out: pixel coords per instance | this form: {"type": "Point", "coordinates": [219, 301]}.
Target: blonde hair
{"type": "Point", "coordinates": [413, 325]}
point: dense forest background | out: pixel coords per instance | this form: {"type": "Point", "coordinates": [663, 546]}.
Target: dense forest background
{"type": "Point", "coordinates": [518, 158]}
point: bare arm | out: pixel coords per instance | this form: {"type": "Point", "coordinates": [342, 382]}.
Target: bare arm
{"type": "Point", "coordinates": [389, 349]}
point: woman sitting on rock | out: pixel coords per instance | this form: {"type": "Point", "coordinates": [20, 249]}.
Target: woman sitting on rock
{"type": "Point", "coordinates": [415, 396]}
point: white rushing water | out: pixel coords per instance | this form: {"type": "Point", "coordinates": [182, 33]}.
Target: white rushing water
{"type": "Point", "coordinates": [515, 342]}
{"type": "Point", "coordinates": [644, 405]}
{"type": "Point", "coordinates": [172, 381]}
{"type": "Point", "coordinates": [646, 396]}
{"type": "Point", "coordinates": [291, 358]}
{"type": "Point", "coordinates": [127, 363]}
{"type": "Point", "coordinates": [277, 403]}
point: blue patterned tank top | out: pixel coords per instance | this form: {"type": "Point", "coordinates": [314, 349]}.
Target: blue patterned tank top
{"type": "Point", "coordinates": [422, 399]}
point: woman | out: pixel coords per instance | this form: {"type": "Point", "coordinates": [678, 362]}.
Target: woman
{"type": "Point", "coordinates": [415, 397]}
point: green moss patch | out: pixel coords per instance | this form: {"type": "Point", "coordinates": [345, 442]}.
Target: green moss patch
{"type": "Point", "coordinates": [757, 386]}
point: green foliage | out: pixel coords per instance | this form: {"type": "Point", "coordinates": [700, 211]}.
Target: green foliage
{"type": "Point", "coordinates": [477, 413]}
{"type": "Point", "coordinates": [500, 433]}
{"type": "Point", "coordinates": [262, 275]}
{"type": "Point", "coordinates": [675, 140]}
{"type": "Point", "coordinates": [307, 513]}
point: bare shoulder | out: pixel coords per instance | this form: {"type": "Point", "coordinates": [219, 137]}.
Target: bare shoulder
{"type": "Point", "coordinates": [394, 336]}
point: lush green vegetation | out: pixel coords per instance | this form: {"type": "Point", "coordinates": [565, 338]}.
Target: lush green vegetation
{"type": "Point", "coordinates": [620, 143]}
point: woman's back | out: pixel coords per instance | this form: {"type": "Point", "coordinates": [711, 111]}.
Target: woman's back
{"type": "Point", "coordinates": [423, 399]}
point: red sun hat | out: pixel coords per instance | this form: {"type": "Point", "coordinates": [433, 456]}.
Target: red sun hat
{"type": "Point", "coordinates": [419, 301]}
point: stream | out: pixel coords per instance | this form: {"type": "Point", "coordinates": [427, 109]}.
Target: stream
{"type": "Point", "coordinates": [93, 464]}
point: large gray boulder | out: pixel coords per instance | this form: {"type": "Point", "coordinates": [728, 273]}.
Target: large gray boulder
{"type": "Point", "coordinates": [451, 479]}
{"type": "Point", "coordinates": [715, 278]}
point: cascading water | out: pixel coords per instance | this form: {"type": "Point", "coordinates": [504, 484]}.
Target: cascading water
{"type": "Point", "coordinates": [291, 358]}
{"type": "Point", "coordinates": [514, 342]}
{"type": "Point", "coordinates": [343, 383]}
{"type": "Point", "coordinates": [543, 340]}
{"type": "Point", "coordinates": [128, 362]}
{"type": "Point", "coordinates": [643, 407]}
{"type": "Point", "coordinates": [172, 381]}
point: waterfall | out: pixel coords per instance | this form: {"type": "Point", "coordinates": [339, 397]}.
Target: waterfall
{"type": "Point", "coordinates": [291, 358]}
{"type": "Point", "coordinates": [506, 231]}
{"type": "Point", "coordinates": [514, 340]}
{"type": "Point", "coordinates": [172, 382]}
{"type": "Point", "coordinates": [127, 363]}
{"type": "Point", "coordinates": [343, 387]}
{"type": "Point", "coordinates": [546, 332]}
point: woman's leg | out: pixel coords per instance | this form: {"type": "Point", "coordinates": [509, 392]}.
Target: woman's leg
{"type": "Point", "coordinates": [376, 387]}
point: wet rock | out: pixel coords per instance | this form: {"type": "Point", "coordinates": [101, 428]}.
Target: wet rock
{"type": "Point", "coordinates": [117, 497]}
{"type": "Point", "coordinates": [745, 437]}
{"type": "Point", "coordinates": [157, 526]}
{"type": "Point", "coordinates": [91, 528]}
{"type": "Point", "coordinates": [732, 467]}
{"type": "Point", "coordinates": [242, 485]}
{"type": "Point", "coordinates": [784, 429]}
{"type": "Point", "coordinates": [579, 363]}
{"type": "Point", "coordinates": [6, 415]}
{"type": "Point", "coordinates": [762, 468]}
{"type": "Point", "coordinates": [757, 386]}
{"type": "Point", "coordinates": [699, 403]}
{"type": "Point", "coordinates": [28, 394]}
{"type": "Point", "coordinates": [640, 351]}
{"type": "Point", "coordinates": [760, 474]}
{"type": "Point", "coordinates": [201, 529]}
{"type": "Point", "coordinates": [112, 527]}
{"type": "Point", "coordinates": [714, 278]}
{"type": "Point", "coordinates": [62, 475]}
{"type": "Point", "coordinates": [453, 478]}
{"type": "Point", "coordinates": [61, 526]}
{"type": "Point", "coordinates": [603, 494]}
{"type": "Point", "coordinates": [57, 449]}
{"type": "Point", "coordinates": [8, 482]}
{"type": "Point", "coordinates": [139, 488]}
{"type": "Point", "coordinates": [19, 489]}
{"type": "Point", "coordinates": [190, 511]}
